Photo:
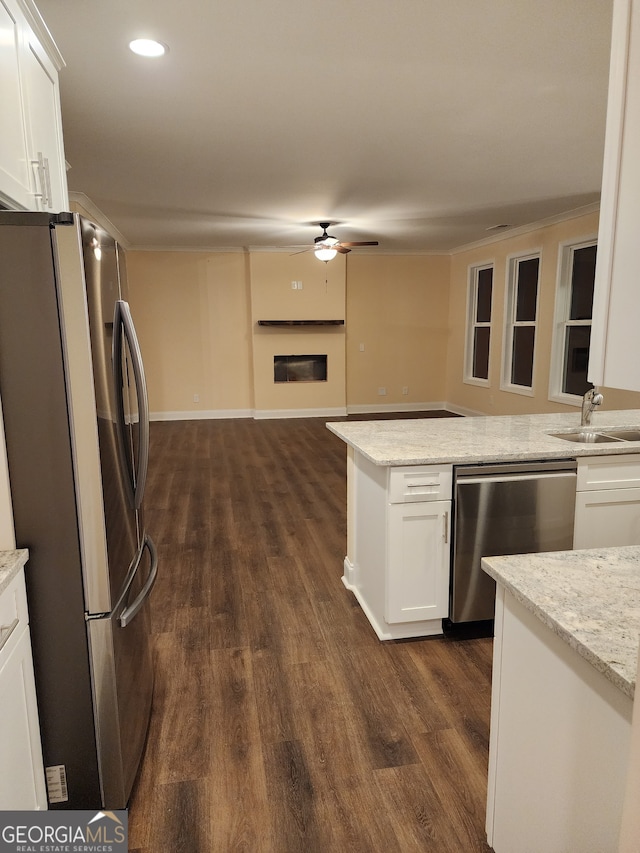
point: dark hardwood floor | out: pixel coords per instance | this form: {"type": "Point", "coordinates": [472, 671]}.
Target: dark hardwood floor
{"type": "Point", "coordinates": [280, 722]}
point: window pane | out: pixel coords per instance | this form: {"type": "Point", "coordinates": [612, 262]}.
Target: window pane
{"type": "Point", "coordinates": [481, 352]}
{"type": "Point", "coordinates": [576, 360]}
{"type": "Point", "coordinates": [582, 278]}
{"type": "Point", "coordinates": [483, 301]}
{"type": "Point", "coordinates": [522, 356]}
{"type": "Point", "coordinates": [527, 290]}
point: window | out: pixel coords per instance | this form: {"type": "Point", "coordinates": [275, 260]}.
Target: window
{"type": "Point", "coordinates": [572, 328]}
{"type": "Point", "coordinates": [520, 324]}
{"type": "Point", "coordinates": [476, 368]}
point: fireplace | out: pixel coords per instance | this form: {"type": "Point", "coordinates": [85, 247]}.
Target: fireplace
{"type": "Point", "coordinates": [300, 368]}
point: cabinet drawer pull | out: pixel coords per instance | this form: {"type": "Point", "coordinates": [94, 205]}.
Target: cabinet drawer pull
{"type": "Point", "coordinates": [445, 532]}
{"type": "Point", "coordinates": [422, 485]}
{"type": "Point", "coordinates": [6, 631]}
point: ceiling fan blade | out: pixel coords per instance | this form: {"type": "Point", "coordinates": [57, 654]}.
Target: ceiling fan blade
{"type": "Point", "coordinates": [340, 248]}
{"type": "Point", "coordinates": [361, 243]}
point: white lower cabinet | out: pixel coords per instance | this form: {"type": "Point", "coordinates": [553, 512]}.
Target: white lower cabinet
{"type": "Point", "coordinates": [398, 567]}
{"type": "Point", "coordinates": [22, 784]}
{"type": "Point", "coordinates": [607, 502]}
{"type": "Point", "coordinates": [559, 742]}
{"type": "Point", "coordinates": [418, 576]}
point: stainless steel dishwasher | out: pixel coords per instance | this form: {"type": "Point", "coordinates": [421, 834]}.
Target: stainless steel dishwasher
{"type": "Point", "coordinates": [511, 508]}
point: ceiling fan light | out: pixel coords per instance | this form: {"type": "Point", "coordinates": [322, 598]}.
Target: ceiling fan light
{"type": "Point", "coordinates": [326, 253]}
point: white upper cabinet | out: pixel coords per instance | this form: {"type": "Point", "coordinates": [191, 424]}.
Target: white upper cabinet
{"type": "Point", "coordinates": [32, 164]}
{"type": "Point", "coordinates": [615, 344]}
{"type": "Point", "coordinates": [15, 177]}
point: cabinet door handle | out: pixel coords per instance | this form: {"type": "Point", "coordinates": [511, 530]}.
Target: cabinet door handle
{"type": "Point", "coordinates": [6, 631]}
{"type": "Point", "coordinates": [47, 182]}
{"type": "Point", "coordinates": [445, 532]}
{"type": "Point", "coordinates": [42, 166]}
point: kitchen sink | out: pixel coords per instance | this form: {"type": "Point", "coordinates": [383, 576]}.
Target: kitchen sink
{"type": "Point", "coordinates": [612, 436]}
{"type": "Point", "coordinates": [624, 434]}
{"type": "Point", "coordinates": [587, 437]}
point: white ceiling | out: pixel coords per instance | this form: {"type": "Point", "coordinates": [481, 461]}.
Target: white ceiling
{"type": "Point", "coordinates": [418, 123]}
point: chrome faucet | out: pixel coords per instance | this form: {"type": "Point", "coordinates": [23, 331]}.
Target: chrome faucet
{"type": "Point", "coordinates": [589, 402]}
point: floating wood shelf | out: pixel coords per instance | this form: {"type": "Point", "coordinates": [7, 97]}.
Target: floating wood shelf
{"type": "Point", "coordinates": [301, 322]}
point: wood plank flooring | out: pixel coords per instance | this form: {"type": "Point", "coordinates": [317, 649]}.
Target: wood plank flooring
{"type": "Point", "coordinates": [280, 722]}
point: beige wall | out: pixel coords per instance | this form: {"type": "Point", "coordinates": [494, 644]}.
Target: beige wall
{"type": "Point", "coordinates": [397, 307]}
{"type": "Point", "coordinates": [322, 297]}
{"type": "Point", "coordinates": [492, 400]}
{"type": "Point", "coordinates": [192, 313]}
{"type": "Point", "coordinates": [197, 318]}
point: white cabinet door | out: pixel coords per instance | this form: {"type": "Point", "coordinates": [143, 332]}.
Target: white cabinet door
{"type": "Point", "coordinates": [22, 784]}
{"type": "Point", "coordinates": [45, 129]}
{"type": "Point", "coordinates": [615, 347]}
{"type": "Point", "coordinates": [32, 165]}
{"type": "Point", "coordinates": [15, 172]}
{"type": "Point", "coordinates": [607, 518]}
{"type": "Point", "coordinates": [418, 561]}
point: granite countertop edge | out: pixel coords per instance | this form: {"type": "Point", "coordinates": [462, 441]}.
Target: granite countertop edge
{"type": "Point", "coordinates": [478, 439]}
{"type": "Point", "coordinates": [10, 564]}
{"type": "Point", "coordinates": [606, 637]}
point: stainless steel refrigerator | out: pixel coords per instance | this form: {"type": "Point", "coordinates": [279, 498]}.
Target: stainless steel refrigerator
{"type": "Point", "coordinates": [75, 409]}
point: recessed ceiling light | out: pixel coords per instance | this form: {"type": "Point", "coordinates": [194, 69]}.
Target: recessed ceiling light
{"type": "Point", "coordinates": [148, 47]}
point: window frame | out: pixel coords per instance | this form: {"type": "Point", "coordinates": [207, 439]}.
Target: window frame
{"type": "Point", "coordinates": [473, 272]}
{"type": "Point", "coordinates": [510, 323]}
{"type": "Point", "coordinates": [561, 320]}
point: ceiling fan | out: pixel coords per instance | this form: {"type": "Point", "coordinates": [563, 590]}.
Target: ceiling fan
{"type": "Point", "coordinates": [327, 247]}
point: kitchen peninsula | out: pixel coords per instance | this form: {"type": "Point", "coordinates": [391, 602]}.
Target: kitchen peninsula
{"type": "Point", "coordinates": [399, 499]}
{"type": "Point", "coordinates": [564, 670]}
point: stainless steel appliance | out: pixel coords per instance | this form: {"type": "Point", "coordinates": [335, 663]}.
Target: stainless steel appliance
{"type": "Point", "coordinates": [512, 508]}
{"type": "Point", "coordinates": [76, 424]}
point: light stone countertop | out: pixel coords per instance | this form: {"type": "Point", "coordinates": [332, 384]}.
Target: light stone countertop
{"type": "Point", "coordinates": [590, 599]}
{"type": "Point", "coordinates": [10, 564]}
{"type": "Point", "coordinates": [508, 438]}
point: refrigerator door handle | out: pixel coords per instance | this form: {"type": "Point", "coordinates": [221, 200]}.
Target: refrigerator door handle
{"type": "Point", "coordinates": [123, 325]}
{"type": "Point", "coordinates": [129, 612]}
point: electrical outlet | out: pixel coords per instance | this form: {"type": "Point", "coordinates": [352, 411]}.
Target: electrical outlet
{"type": "Point", "coordinates": [196, 398]}
{"type": "Point", "coordinates": [294, 285]}
{"type": "Point", "coordinates": [382, 392]}
{"type": "Point", "coordinates": [405, 389]}
{"type": "Point", "coordinates": [361, 347]}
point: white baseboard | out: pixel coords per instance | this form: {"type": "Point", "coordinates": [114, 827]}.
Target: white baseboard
{"type": "Point", "coordinates": [200, 415]}
{"type": "Point", "coordinates": [460, 410]}
{"type": "Point", "coordinates": [264, 414]}
{"type": "Point", "coordinates": [372, 408]}
{"type": "Point", "coordinates": [397, 631]}
{"type": "Point", "coordinates": [349, 577]}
